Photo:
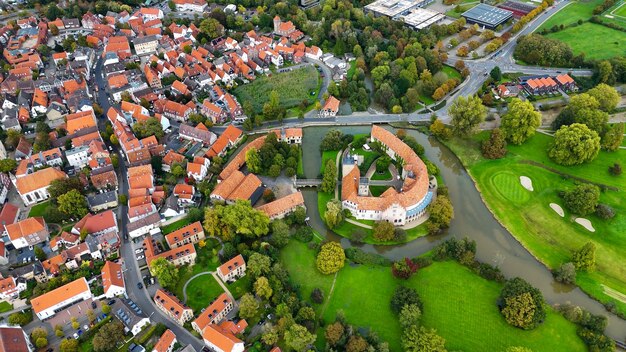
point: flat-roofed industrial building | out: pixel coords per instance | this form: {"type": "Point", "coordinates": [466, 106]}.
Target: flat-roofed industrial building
{"type": "Point", "coordinates": [487, 16]}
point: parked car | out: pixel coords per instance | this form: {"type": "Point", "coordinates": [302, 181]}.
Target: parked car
{"type": "Point", "coordinates": [86, 327]}
{"type": "Point", "coordinates": [93, 305]}
{"type": "Point", "coordinates": [139, 250]}
{"type": "Point", "coordinates": [139, 257]}
{"type": "Point", "coordinates": [139, 285]}
{"type": "Point", "coordinates": [75, 336]}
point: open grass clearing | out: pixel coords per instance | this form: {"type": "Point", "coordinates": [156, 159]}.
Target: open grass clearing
{"type": "Point", "coordinates": [385, 176]}
{"type": "Point", "coordinates": [588, 37]}
{"type": "Point", "coordinates": [201, 291]}
{"type": "Point", "coordinates": [5, 306]}
{"type": "Point", "coordinates": [292, 87]}
{"type": "Point", "coordinates": [328, 155]}
{"type": "Point", "coordinates": [458, 303]}
{"type": "Point", "coordinates": [544, 233]}
{"type": "Point", "coordinates": [169, 228]}
{"type": "Point", "coordinates": [240, 287]}
{"type": "Point", "coordinates": [38, 209]}
{"type": "Point", "coordinates": [576, 10]}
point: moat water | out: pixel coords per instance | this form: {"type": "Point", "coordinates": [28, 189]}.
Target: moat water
{"type": "Point", "coordinates": [472, 219]}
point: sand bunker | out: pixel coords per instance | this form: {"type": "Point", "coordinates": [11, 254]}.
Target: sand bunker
{"type": "Point", "coordinates": [526, 183]}
{"type": "Point", "coordinates": [557, 208]}
{"type": "Point", "coordinates": [585, 223]}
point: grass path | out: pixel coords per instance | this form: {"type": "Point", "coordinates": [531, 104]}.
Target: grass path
{"type": "Point", "coordinates": [330, 295]}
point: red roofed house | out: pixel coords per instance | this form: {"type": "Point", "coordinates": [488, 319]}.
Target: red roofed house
{"type": "Point", "coordinates": [231, 136]}
{"type": "Point", "coordinates": [331, 107]}
{"type": "Point", "coordinates": [168, 339]}
{"type": "Point", "coordinates": [214, 313]}
{"type": "Point", "coordinates": [192, 233]}
{"type": "Point", "coordinates": [28, 232]}
{"type": "Point", "coordinates": [232, 269]}
{"type": "Point", "coordinates": [282, 207]}
{"type": "Point", "coordinates": [33, 188]}
{"type": "Point", "coordinates": [11, 288]}
{"type": "Point", "coordinates": [566, 82]}
{"type": "Point", "coordinates": [221, 338]}
{"type": "Point", "coordinates": [113, 280]}
{"type": "Point", "coordinates": [55, 301]}
{"type": "Point", "coordinates": [172, 307]}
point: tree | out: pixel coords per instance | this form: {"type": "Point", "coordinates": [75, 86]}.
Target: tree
{"type": "Point", "coordinates": [331, 258]}
{"type": "Point", "coordinates": [225, 221]}
{"type": "Point", "coordinates": [334, 213]}
{"type": "Point", "coordinates": [613, 137]}
{"type": "Point", "coordinates": [149, 127]}
{"type": "Point", "coordinates": [566, 273]}
{"type": "Point", "coordinates": [585, 258]}
{"type": "Point", "coordinates": [382, 164]}
{"type": "Point", "coordinates": [280, 234]}
{"type": "Point", "coordinates": [495, 146]}
{"type": "Point", "coordinates": [258, 264]}
{"type": "Point", "coordinates": [329, 180]}
{"type": "Point", "coordinates": [605, 212]}
{"type": "Point", "coordinates": [41, 342]}
{"type": "Point", "coordinates": [317, 296]}
{"type": "Point", "coordinates": [403, 268]}
{"type": "Point", "coordinates": [270, 334]}
{"type": "Point", "coordinates": [73, 204]}
{"type": "Point", "coordinates": [7, 165]}
{"type": "Point", "coordinates": [520, 122]}
{"type": "Point", "coordinates": [299, 338]}
{"type": "Point", "coordinates": [356, 343]}
{"type": "Point", "coordinates": [333, 140]}
{"type": "Point", "coordinates": [248, 306]}
{"type": "Point", "coordinates": [403, 296]}
{"type": "Point", "coordinates": [615, 170]}
{"type": "Point", "coordinates": [126, 96]}
{"type": "Point", "coordinates": [54, 30]}
{"type": "Point", "coordinates": [262, 288]}
{"type": "Point", "coordinates": [178, 170]}
{"type": "Point", "coordinates": [108, 336]}
{"type": "Point", "coordinates": [440, 213]}
{"type": "Point", "coordinates": [383, 231]}
{"type": "Point", "coordinates": [165, 272]}
{"type": "Point", "coordinates": [68, 345]}
{"type": "Point", "coordinates": [584, 108]}
{"type": "Point", "coordinates": [439, 130]}
{"type": "Point", "coordinates": [421, 339]}
{"type": "Point", "coordinates": [253, 161]}
{"type": "Point", "coordinates": [496, 74]}
{"type": "Point", "coordinates": [334, 333]}
{"type": "Point", "coordinates": [40, 254]}
{"type": "Point", "coordinates": [38, 333]}
{"type": "Point", "coordinates": [467, 113]}
{"type": "Point", "coordinates": [212, 28]}
{"type": "Point", "coordinates": [113, 139]}
{"type": "Point", "coordinates": [606, 96]}
{"type": "Point", "coordinates": [582, 199]}
{"type": "Point", "coordinates": [519, 310]}
{"type": "Point", "coordinates": [410, 315]}
{"type": "Point", "coordinates": [574, 144]}
{"type": "Point", "coordinates": [20, 319]}
{"type": "Point", "coordinates": [171, 5]}
{"type": "Point", "coordinates": [106, 309]}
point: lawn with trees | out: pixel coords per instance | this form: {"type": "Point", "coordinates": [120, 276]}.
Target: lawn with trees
{"type": "Point", "coordinates": [201, 291]}
{"type": "Point", "coordinates": [292, 88]}
{"type": "Point", "coordinates": [528, 217]}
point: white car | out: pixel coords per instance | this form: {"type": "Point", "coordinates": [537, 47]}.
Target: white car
{"type": "Point", "coordinates": [86, 327]}
{"type": "Point", "coordinates": [139, 257]}
{"type": "Point", "coordinates": [75, 336]}
{"type": "Point", "coordinates": [138, 250]}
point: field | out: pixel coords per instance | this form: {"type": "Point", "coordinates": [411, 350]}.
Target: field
{"type": "Point", "coordinates": [175, 225]}
{"type": "Point", "coordinates": [5, 306]}
{"type": "Point", "coordinates": [586, 38]}
{"type": "Point", "coordinates": [576, 10]}
{"type": "Point", "coordinates": [293, 87]}
{"type": "Point", "coordinates": [458, 303]}
{"type": "Point", "coordinates": [201, 291]}
{"type": "Point", "coordinates": [530, 219]}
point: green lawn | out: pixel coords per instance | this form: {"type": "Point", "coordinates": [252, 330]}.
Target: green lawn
{"type": "Point", "coordinates": [384, 176]}
{"type": "Point", "coordinates": [458, 303]}
{"type": "Point", "coordinates": [530, 219]}
{"type": "Point", "coordinates": [576, 10]}
{"type": "Point", "coordinates": [206, 260]}
{"type": "Point", "coordinates": [175, 225]}
{"type": "Point", "coordinates": [378, 190]}
{"type": "Point", "coordinates": [586, 38]}
{"type": "Point", "coordinates": [328, 155]}
{"type": "Point", "coordinates": [293, 87]}
{"type": "Point", "coordinates": [240, 287]}
{"type": "Point", "coordinates": [5, 306]}
{"type": "Point", "coordinates": [39, 209]}
{"type": "Point", "coordinates": [201, 291]}
{"type": "Point", "coordinates": [452, 72]}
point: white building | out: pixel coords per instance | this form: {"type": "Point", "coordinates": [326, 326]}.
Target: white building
{"type": "Point", "coordinates": [113, 280]}
{"type": "Point", "coordinates": [10, 288]}
{"type": "Point", "coordinates": [53, 302]}
{"type": "Point", "coordinates": [190, 5]}
{"type": "Point", "coordinates": [33, 188]}
{"type": "Point", "coordinates": [78, 157]}
{"type": "Point", "coordinates": [146, 45]}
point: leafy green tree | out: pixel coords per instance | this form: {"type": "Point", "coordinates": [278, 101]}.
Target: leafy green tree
{"type": "Point", "coordinates": [329, 180]}
{"type": "Point", "coordinates": [566, 273]}
{"type": "Point", "coordinates": [40, 254]}
{"type": "Point", "coordinates": [519, 310]}
{"type": "Point", "coordinates": [38, 333]}
{"type": "Point", "coordinates": [212, 28]}
{"type": "Point", "coordinates": [73, 203]}
{"type": "Point", "coordinates": [253, 161]}
{"type": "Point", "coordinates": [150, 127]}
{"type": "Point", "coordinates": [574, 144]}
{"type": "Point", "coordinates": [585, 109]}
{"type": "Point", "coordinates": [496, 74]}
{"type": "Point", "coordinates": [613, 137]}
{"type": "Point", "coordinates": [248, 306]}
{"type": "Point", "coordinates": [225, 221]}
{"type": "Point", "coordinates": [334, 213]}
{"type": "Point", "coordinates": [520, 122]}
{"type": "Point", "coordinates": [107, 338]}
{"type": "Point", "coordinates": [20, 319]}
{"type": "Point", "coordinates": [495, 146]}
{"type": "Point", "coordinates": [69, 345]}
{"type": "Point", "coordinates": [585, 258]}
{"type": "Point", "coordinates": [404, 296]}
{"type": "Point", "coordinates": [607, 96]}
{"type": "Point", "coordinates": [178, 170]}
{"type": "Point", "coordinates": [7, 165]}
{"type": "Point", "coordinates": [63, 186]}
{"type": "Point", "coordinates": [299, 338]}
{"type": "Point", "coordinates": [518, 349]}
{"type": "Point", "coordinates": [467, 113]}
{"type": "Point", "coordinates": [41, 342]}
{"type": "Point", "coordinates": [440, 213]}
{"type": "Point", "coordinates": [333, 140]}
{"type": "Point", "coordinates": [421, 339]}
{"type": "Point", "coordinates": [165, 272]}
{"type": "Point", "coordinates": [582, 199]}
{"type": "Point", "coordinates": [262, 288]}
{"type": "Point", "coordinates": [280, 234]}
{"type": "Point", "coordinates": [331, 258]}
{"type": "Point", "coordinates": [410, 315]}
{"type": "Point", "coordinates": [258, 264]}
{"type": "Point", "coordinates": [383, 231]}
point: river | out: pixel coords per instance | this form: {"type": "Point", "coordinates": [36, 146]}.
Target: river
{"type": "Point", "coordinates": [472, 219]}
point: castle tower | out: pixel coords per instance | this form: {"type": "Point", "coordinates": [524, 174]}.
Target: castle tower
{"type": "Point", "coordinates": [276, 23]}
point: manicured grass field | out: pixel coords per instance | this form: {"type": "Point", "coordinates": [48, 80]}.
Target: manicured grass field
{"type": "Point", "coordinates": [451, 72]}
{"type": "Point", "coordinates": [586, 38]}
{"type": "Point", "coordinates": [576, 10]}
{"type": "Point", "coordinates": [5, 306]}
{"type": "Point", "coordinates": [508, 185]}
{"type": "Point", "coordinates": [175, 225]}
{"type": "Point", "coordinates": [457, 302]}
{"type": "Point", "coordinates": [39, 209]}
{"type": "Point", "coordinates": [240, 287]}
{"type": "Point", "coordinates": [201, 291]}
{"type": "Point", "coordinates": [620, 11]}
{"type": "Point", "coordinates": [385, 176]}
{"type": "Point", "coordinates": [378, 190]}
{"type": "Point", "coordinates": [206, 261]}
{"type": "Point", "coordinates": [328, 155]}
{"type": "Point", "coordinates": [549, 237]}
{"type": "Point", "coordinates": [293, 87]}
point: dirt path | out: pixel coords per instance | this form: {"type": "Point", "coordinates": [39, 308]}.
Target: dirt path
{"type": "Point", "coordinates": [330, 295]}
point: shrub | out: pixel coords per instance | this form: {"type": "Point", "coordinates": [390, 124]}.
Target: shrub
{"type": "Point", "coordinates": [495, 146]}
{"type": "Point", "coordinates": [404, 268]}
{"type": "Point", "coordinates": [490, 272]}
{"type": "Point", "coordinates": [585, 258]}
{"type": "Point", "coordinates": [358, 256]}
{"type": "Point", "coordinates": [521, 304]}
{"type": "Point", "coordinates": [583, 199]}
{"type": "Point", "coordinates": [455, 249]}
{"type": "Point", "coordinates": [358, 236]}
{"type": "Point", "coordinates": [304, 234]}
{"type": "Point", "coordinates": [615, 170]}
{"type": "Point", "coordinates": [605, 212]}
{"type": "Point", "coordinates": [317, 296]}
{"type": "Point", "coordinates": [403, 296]}
{"type": "Point", "coordinates": [566, 273]}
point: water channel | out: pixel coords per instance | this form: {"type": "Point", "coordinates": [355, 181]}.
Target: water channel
{"type": "Point", "coordinates": [472, 219]}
